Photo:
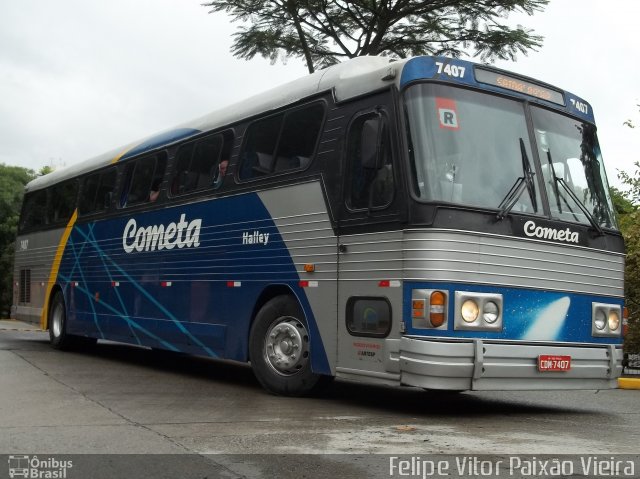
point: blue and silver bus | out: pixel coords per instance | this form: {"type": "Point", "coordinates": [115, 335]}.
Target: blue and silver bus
{"type": "Point", "coordinates": [428, 222]}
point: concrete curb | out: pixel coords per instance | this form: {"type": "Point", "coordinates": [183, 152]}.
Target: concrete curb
{"type": "Point", "coordinates": [629, 383]}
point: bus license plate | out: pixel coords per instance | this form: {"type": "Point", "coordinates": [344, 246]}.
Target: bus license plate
{"type": "Point", "coordinates": [553, 363]}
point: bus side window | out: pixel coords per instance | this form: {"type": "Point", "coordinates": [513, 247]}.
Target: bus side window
{"type": "Point", "coordinates": [88, 194]}
{"type": "Point", "coordinates": [197, 165]}
{"type": "Point", "coordinates": [34, 210]}
{"type": "Point", "coordinates": [370, 166]}
{"type": "Point", "coordinates": [298, 138]}
{"type": "Point", "coordinates": [180, 182]}
{"type": "Point", "coordinates": [143, 179]}
{"type": "Point", "coordinates": [205, 158]}
{"type": "Point", "coordinates": [106, 189]}
{"type": "Point", "coordinates": [294, 134]}
{"type": "Point", "coordinates": [262, 137]}
{"type": "Point", "coordinates": [97, 192]}
{"type": "Point", "coordinates": [63, 202]}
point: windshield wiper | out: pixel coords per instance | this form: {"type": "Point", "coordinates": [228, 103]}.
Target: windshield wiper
{"type": "Point", "coordinates": [524, 181]}
{"type": "Point", "coordinates": [560, 181]}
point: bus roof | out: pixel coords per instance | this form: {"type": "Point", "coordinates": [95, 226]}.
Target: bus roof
{"type": "Point", "coordinates": [346, 80]}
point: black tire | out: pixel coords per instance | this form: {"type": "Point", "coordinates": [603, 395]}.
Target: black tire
{"type": "Point", "coordinates": [280, 351]}
{"type": "Point", "coordinates": [57, 321]}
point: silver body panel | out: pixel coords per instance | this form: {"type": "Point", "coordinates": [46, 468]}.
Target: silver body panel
{"type": "Point", "coordinates": [36, 252]}
{"type": "Point", "coordinates": [367, 260]}
{"type": "Point", "coordinates": [471, 257]}
{"type": "Point", "coordinates": [300, 214]}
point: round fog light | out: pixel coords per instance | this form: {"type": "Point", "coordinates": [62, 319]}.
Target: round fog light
{"type": "Point", "coordinates": [614, 320]}
{"type": "Point", "coordinates": [469, 311]}
{"type": "Point", "coordinates": [490, 312]}
{"type": "Point", "coordinates": [599, 320]}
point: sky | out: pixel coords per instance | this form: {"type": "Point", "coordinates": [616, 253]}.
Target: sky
{"type": "Point", "coordinates": [79, 78]}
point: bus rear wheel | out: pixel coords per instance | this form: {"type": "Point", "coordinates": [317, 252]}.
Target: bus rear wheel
{"type": "Point", "coordinates": [280, 350]}
{"type": "Point", "coordinates": [58, 336]}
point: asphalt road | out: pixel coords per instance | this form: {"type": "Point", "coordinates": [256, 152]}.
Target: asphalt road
{"type": "Point", "coordinates": [117, 399]}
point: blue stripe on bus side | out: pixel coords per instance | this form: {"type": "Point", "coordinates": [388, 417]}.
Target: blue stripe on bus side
{"type": "Point", "coordinates": [121, 296]}
{"type": "Point", "coordinates": [528, 315]}
{"type": "Point", "coordinates": [159, 140]}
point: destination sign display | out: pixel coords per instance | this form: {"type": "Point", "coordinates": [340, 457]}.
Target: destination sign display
{"type": "Point", "coordinates": [521, 86]}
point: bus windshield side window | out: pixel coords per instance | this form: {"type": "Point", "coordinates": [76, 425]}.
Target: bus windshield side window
{"type": "Point", "coordinates": [282, 142]}
{"type": "Point", "coordinates": [143, 180]}
{"type": "Point", "coordinates": [63, 202]}
{"type": "Point", "coordinates": [370, 166]}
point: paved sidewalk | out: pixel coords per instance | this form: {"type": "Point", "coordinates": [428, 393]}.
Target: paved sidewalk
{"type": "Point", "coordinates": [15, 325]}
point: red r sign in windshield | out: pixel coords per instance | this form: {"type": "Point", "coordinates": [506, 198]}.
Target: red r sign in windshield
{"type": "Point", "coordinates": [447, 113]}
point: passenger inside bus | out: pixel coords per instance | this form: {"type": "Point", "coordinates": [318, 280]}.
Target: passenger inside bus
{"type": "Point", "coordinates": [221, 171]}
{"type": "Point", "coordinates": [155, 190]}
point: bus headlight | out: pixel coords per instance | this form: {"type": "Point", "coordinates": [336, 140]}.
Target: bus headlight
{"type": "Point", "coordinates": [469, 311]}
{"type": "Point", "coordinates": [490, 312]}
{"type": "Point", "coordinates": [599, 320]}
{"type": "Point", "coordinates": [478, 311]}
{"type": "Point", "coordinates": [614, 320]}
{"type": "Point", "coordinates": [605, 320]}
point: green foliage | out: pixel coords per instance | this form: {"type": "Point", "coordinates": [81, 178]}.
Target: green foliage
{"type": "Point", "coordinates": [627, 206]}
{"type": "Point", "coordinates": [629, 122]}
{"type": "Point", "coordinates": [45, 170]}
{"type": "Point", "coordinates": [622, 205]}
{"type": "Point", "coordinates": [325, 32]}
{"type": "Point", "coordinates": [12, 181]}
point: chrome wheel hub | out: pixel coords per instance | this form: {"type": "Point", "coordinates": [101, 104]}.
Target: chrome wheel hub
{"type": "Point", "coordinates": [56, 321]}
{"type": "Point", "coordinates": [287, 346]}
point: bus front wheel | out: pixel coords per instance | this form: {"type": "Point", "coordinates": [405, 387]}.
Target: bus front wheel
{"type": "Point", "coordinates": [280, 351]}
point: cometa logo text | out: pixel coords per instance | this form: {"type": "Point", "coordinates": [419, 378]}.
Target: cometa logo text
{"type": "Point", "coordinates": [534, 231]}
{"type": "Point", "coordinates": [181, 234]}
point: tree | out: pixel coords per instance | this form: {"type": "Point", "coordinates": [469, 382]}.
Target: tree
{"type": "Point", "coordinates": [45, 170]}
{"type": "Point", "coordinates": [628, 211]}
{"type": "Point", "coordinates": [12, 181]}
{"type": "Point", "coordinates": [630, 123]}
{"type": "Point", "coordinates": [325, 32]}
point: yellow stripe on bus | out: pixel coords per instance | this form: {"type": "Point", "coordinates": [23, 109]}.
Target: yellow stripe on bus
{"type": "Point", "coordinates": [124, 152]}
{"type": "Point", "coordinates": [55, 267]}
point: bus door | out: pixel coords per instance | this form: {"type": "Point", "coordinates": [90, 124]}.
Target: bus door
{"type": "Point", "coordinates": [369, 250]}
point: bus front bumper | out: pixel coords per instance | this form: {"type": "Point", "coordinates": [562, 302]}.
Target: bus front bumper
{"type": "Point", "coordinates": [484, 365]}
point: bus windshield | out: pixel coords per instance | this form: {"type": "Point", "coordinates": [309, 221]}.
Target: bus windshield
{"type": "Point", "coordinates": [474, 149]}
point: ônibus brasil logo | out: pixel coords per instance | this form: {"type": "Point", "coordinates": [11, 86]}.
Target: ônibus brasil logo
{"type": "Point", "coordinates": [32, 467]}
{"type": "Point", "coordinates": [534, 231]}
{"type": "Point", "coordinates": [149, 238]}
